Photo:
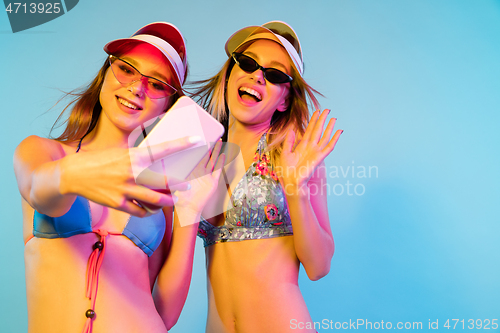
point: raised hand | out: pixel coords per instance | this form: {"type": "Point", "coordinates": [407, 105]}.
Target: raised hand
{"type": "Point", "coordinates": [298, 164]}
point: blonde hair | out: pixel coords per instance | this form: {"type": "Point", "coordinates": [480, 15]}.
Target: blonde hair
{"type": "Point", "coordinates": [211, 95]}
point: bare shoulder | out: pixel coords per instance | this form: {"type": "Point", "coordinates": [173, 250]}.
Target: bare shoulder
{"type": "Point", "coordinates": [46, 149]}
{"type": "Point", "coordinates": [33, 152]}
{"type": "Point", "coordinates": [29, 155]}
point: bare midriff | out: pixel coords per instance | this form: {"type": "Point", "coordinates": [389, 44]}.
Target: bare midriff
{"type": "Point", "coordinates": [253, 286]}
{"type": "Point", "coordinates": [56, 271]}
{"type": "Point", "coordinates": [56, 281]}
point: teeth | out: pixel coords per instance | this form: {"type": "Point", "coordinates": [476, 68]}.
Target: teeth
{"type": "Point", "coordinates": [127, 104]}
{"type": "Point", "coordinates": [252, 92]}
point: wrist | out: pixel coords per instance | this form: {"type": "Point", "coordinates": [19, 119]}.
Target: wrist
{"type": "Point", "coordinates": [294, 190]}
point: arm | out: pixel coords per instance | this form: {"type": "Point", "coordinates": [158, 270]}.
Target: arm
{"type": "Point", "coordinates": [49, 180]}
{"type": "Point", "coordinates": [312, 234]}
{"type": "Point", "coordinates": [38, 169]}
{"type": "Point", "coordinates": [172, 285]}
{"type": "Point", "coordinates": [304, 182]}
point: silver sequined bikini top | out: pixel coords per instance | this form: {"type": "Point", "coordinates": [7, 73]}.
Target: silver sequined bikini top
{"type": "Point", "coordinates": [257, 209]}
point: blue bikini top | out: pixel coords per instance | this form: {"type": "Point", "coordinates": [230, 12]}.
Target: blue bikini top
{"type": "Point", "coordinates": [257, 208]}
{"type": "Point", "coordinates": [147, 233]}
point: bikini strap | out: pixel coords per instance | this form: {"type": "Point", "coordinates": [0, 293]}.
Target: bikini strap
{"type": "Point", "coordinates": [79, 144]}
{"type": "Point", "coordinates": [262, 145]}
{"type": "Point", "coordinates": [93, 268]}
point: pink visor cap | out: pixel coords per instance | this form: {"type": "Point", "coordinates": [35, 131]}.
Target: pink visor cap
{"type": "Point", "coordinates": [277, 31]}
{"type": "Point", "coordinates": [165, 37]}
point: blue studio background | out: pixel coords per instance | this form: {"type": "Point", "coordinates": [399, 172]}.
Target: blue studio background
{"type": "Point", "coordinates": [415, 85]}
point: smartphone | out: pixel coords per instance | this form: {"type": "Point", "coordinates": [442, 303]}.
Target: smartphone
{"type": "Point", "coordinates": [184, 118]}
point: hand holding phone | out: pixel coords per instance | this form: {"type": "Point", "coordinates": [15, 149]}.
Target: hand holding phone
{"type": "Point", "coordinates": [184, 118]}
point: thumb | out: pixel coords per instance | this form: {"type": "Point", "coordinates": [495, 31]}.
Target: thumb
{"type": "Point", "coordinates": [148, 154]}
{"type": "Point", "coordinates": [142, 157]}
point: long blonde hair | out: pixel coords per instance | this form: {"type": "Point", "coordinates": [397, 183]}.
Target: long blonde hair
{"type": "Point", "coordinates": [211, 95]}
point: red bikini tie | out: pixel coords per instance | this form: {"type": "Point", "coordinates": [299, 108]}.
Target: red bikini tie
{"type": "Point", "coordinates": [93, 268]}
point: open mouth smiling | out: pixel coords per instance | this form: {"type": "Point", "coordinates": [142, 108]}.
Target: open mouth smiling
{"type": "Point", "coordinates": [128, 104]}
{"type": "Point", "coordinates": [250, 93]}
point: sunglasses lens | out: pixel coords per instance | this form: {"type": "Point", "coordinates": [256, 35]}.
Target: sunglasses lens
{"type": "Point", "coordinates": [246, 63]}
{"type": "Point", "coordinates": [158, 89]}
{"type": "Point", "coordinates": [126, 74]}
{"type": "Point", "coordinates": [276, 76]}
{"type": "Point", "coordinates": [249, 65]}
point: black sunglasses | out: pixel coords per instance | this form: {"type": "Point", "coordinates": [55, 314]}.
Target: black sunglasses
{"type": "Point", "coordinates": [249, 65]}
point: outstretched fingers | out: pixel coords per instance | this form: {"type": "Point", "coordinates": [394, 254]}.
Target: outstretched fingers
{"type": "Point", "coordinates": [152, 197]}
{"type": "Point", "coordinates": [310, 127]}
{"type": "Point", "coordinates": [318, 126]}
{"type": "Point", "coordinates": [133, 209]}
{"type": "Point", "coordinates": [151, 153]}
{"type": "Point", "coordinates": [329, 147]}
{"type": "Point", "coordinates": [327, 134]}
